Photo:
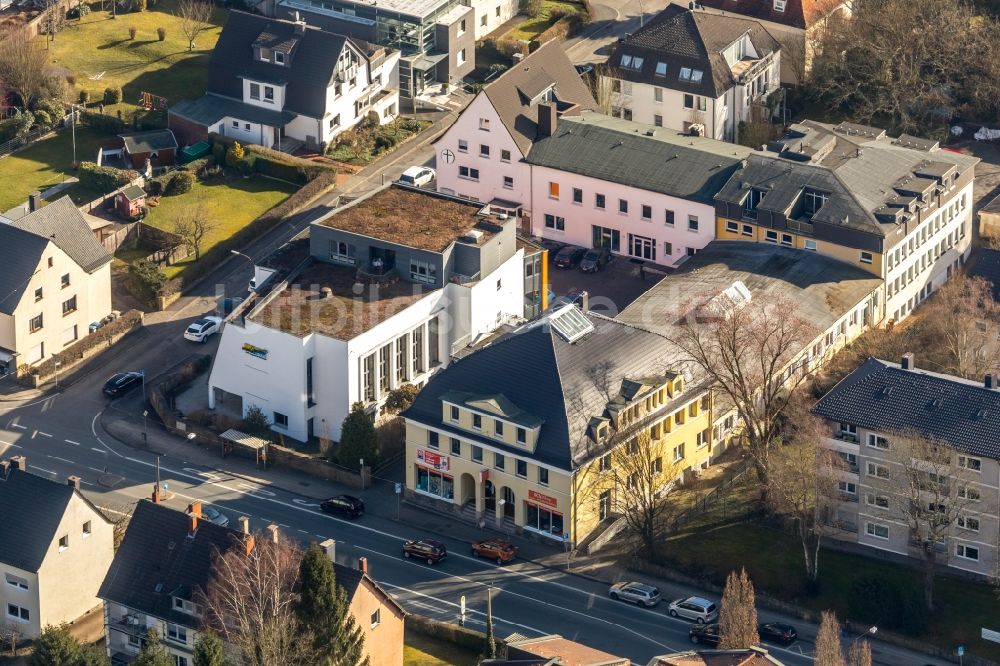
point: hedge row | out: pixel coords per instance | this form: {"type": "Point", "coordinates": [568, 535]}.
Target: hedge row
{"type": "Point", "coordinates": [128, 322]}
{"type": "Point", "coordinates": [102, 178]}
{"type": "Point", "coordinates": [103, 123]}
{"type": "Point", "coordinates": [270, 162]}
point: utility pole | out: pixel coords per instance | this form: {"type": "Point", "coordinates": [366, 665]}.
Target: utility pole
{"type": "Point", "coordinates": [72, 110]}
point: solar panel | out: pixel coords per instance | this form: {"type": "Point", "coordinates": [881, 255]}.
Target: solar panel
{"type": "Point", "coordinates": [570, 323]}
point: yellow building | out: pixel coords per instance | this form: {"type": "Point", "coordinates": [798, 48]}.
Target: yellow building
{"type": "Point", "coordinates": [524, 432]}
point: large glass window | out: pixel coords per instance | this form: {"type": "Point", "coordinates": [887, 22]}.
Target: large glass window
{"type": "Point", "coordinates": [433, 354]}
{"type": "Point", "coordinates": [384, 355]}
{"type": "Point", "coordinates": [541, 519]}
{"type": "Point", "coordinates": [418, 350]}
{"type": "Point", "coordinates": [605, 237]}
{"type": "Point", "coordinates": [435, 483]}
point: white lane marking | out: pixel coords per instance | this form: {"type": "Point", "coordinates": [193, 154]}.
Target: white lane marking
{"type": "Point", "coordinates": [209, 476]}
{"type": "Point", "coordinates": [94, 448]}
{"type": "Point", "coordinates": [43, 434]}
{"type": "Point", "coordinates": [467, 610]}
{"type": "Point", "coordinates": [61, 459]}
{"type": "Point", "coordinates": [93, 429]}
{"type": "Point", "coordinates": [86, 483]}
{"type": "Point", "coordinates": [18, 426]}
{"type": "Point", "coordinates": [3, 443]}
{"type": "Point", "coordinates": [252, 489]}
{"type": "Point", "coordinates": [40, 469]}
{"type": "Point", "coordinates": [320, 536]}
{"type": "Point", "coordinates": [94, 469]}
{"type": "Point", "coordinates": [304, 503]}
{"type": "Point", "coordinates": [304, 531]}
{"type": "Point", "coordinates": [70, 441]}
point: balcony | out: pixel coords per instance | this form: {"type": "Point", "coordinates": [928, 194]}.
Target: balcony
{"type": "Point", "coordinates": [131, 625]}
{"type": "Point", "coordinates": [377, 273]}
{"type": "Point", "coordinates": [843, 526]}
{"type": "Point", "coordinates": [845, 436]}
{"type": "Point", "coordinates": [458, 278]}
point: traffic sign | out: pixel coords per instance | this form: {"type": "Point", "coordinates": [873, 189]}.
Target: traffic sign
{"type": "Point", "coordinates": [399, 488]}
{"type": "Point", "coordinates": [961, 650]}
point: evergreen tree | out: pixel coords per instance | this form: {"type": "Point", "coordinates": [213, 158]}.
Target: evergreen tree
{"type": "Point", "coordinates": [357, 439]}
{"type": "Point", "coordinates": [323, 611]}
{"type": "Point", "coordinates": [738, 613]}
{"type": "Point", "coordinates": [208, 650]}
{"type": "Point", "coordinates": [56, 647]}
{"type": "Point", "coordinates": [153, 653]}
{"type": "Point", "coordinates": [91, 655]}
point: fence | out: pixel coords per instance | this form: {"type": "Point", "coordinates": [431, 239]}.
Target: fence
{"type": "Point", "coordinates": [114, 239]}
{"type": "Point", "coordinates": [14, 145]}
{"type": "Point", "coordinates": [702, 505]}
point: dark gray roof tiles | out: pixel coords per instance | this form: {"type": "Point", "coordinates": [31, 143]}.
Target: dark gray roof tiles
{"type": "Point", "coordinates": [22, 253]}
{"type": "Point", "coordinates": [147, 142]}
{"type": "Point", "coordinates": [883, 397]}
{"type": "Point", "coordinates": [32, 509]}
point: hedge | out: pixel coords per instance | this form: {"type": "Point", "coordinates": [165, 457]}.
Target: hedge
{"type": "Point", "coordinates": [113, 95]}
{"type": "Point", "coordinates": [102, 178]}
{"type": "Point", "coordinates": [16, 127]}
{"type": "Point", "coordinates": [103, 123]}
{"type": "Point", "coordinates": [78, 350]}
{"type": "Point", "coordinates": [270, 162]}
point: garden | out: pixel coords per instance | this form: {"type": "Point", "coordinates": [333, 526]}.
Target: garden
{"type": "Point", "coordinates": [543, 14]}
{"type": "Point", "coordinates": [367, 141]}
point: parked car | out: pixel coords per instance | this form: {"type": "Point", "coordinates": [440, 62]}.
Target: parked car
{"type": "Point", "coordinates": [94, 325]}
{"type": "Point", "coordinates": [694, 608]}
{"type": "Point", "coordinates": [122, 383]}
{"type": "Point", "coordinates": [637, 593]}
{"type": "Point", "coordinates": [569, 257]}
{"type": "Point", "coordinates": [203, 329]}
{"type": "Point", "coordinates": [344, 505]}
{"type": "Point", "coordinates": [214, 515]}
{"type": "Point", "coordinates": [595, 259]}
{"type": "Point", "coordinates": [425, 549]}
{"type": "Point", "coordinates": [704, 634]}
{"type": "Point", "coordinates": [417, 176]}
{"type": "Point", "coordinates": [777, 632]}
{"type": "Point", "coordinates": [500, 550]}
{"type": "Point", "coordinates": [553, 246]}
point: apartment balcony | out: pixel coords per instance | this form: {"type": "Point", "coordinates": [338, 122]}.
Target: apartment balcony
{"type": "Point", "coordinates": [847, 437]}
{"type": "Point", "coordinates": [380, 274]}
{"type": "Point", "coordinates": [848, 527]}
{"type": "Point", "coordinates": [847, 497]}
{"type": "Point", "coordinates": [130, 624]}
{"type": "Point", "coordinates": [458, 278]}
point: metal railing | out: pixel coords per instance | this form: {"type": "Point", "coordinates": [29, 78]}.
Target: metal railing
{"type": "Point", "coordinates": [29, 138]}
{"type": "Point", "coordinates": [702, 505]}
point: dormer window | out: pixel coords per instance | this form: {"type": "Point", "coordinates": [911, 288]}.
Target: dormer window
{"type": "Point", "coordinates": [751, 202]}
{"type": "Point", "coordinates": [269, 94]}
{"type": "Point", "coordinates": [812, 201]}
{"type": "Point", "coordinates": [661, 69]}
{"type": "Point", "coordinates": [631, 62]}
{"type": "Point", "coordinates": [690, 75]}
{"type": "Point", "coordinates": [279, 57]}
{"type": "Point", "coordinates": [265, 55]}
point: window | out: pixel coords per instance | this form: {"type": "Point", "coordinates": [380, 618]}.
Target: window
{"type": "Point", "coordinates": [880, 471]}
{"type": "Point", "coordinates": [63, 542]}
{"type": "Point", "coordinates": [176, 632]}
{"type": "Point", "coordinates": [50, 262]}
{"type": "Point", "coordinates": [604, 463]}
{"type": "Point", "coordinates": [498, 11]}
{"type": "Point", "coordinates": [555, 222]}
{"type": "Point", "coordinates": [692, 223]}
{"type": "Point", "coordinates": [577, 195]}
{"type": "Point", "coordinates": [522, 436]}
{"type": "Point", "coordinates": [498, 428]}
{"type": "Point", "coordinates": [456, 446]}
{"type": "Point", "coordinates": [810, 244]}
{"type": "Point", "coordinates": [255, 91]}
{"type": "Point", "coordinates": [477, 453]}
{"type": "Point", "coordinates": [786, 239]}
{"type": "Point", "coordinates": [461, 57]}
{"type": "Point", "coordinates": [335, 121]}
{"type": "Point", "coordinates": [461, 27]}
{"type": "Point", "coordinates": [812, 201]}
{"type": "Point", "coordinates": [18, 613]}
{"type": "Point", "coordinates": [877, 531]}
{"type": "Point", "coordinates": [543, 519]}
{"type": "Point", "coordinates": [434, 483]}
{"type": "Point", "coordinates": [880, 501]}
{"type": "Point", "coordinates": [433, 440]}
{"type": "Point", "coordinates": [658, 120]}
{"type": "Point", "coordinates": [967, 552]}
{"type": "Point", "coordinates": [341, 251]}
{"type": "Point", "coordinates": [477, 421]}
{"type": "Point", "coordinates": [482, 20]}
{"type": "Point", "coordinates": [466, 172]}
{"type": "Point", "coordinates": [969, 493]}
{"type": "Point", "coordinates": [968, 523]}
{"type": "Point", "coordinates": [484, 124]}
{"type": "Point", "coordinates": [521, 468]}
{"type": "Point", "coordinates": [508, 182]}
{"type": "Point", "coordinates": [268, 94]}
{"type": "Point", "coordinates": [747, 230]}
{"type": "Point", "coordinates": [376, 617]}
{"type": "Point", "coordinates": [599, 201]}
{"type": "Point", "coordinates": [38, 294]}
{"type": "Point", "coordinates": [35, 324]}
{"type": "Point", "coordinates": [702, 438]}
{"type": "Point", "coordinates": [866, 257]}
{"type": "Point", "coordinates": [553, 190]}
{"type": "Point", "coordinates": [877, 441]}
{"type": "Point", "coordinates": [771, 236]}
{"type": "Point", "coordinates": [87, 529]}
{"type": "Point", "coordinates": [632, 62]}
{"type": "Point", "coordinates": [484, 150]}
{"type": "Point", "coordinates": [688, 101]}
{"type": "Point", "coordinates": [498, 461]}
{"type": "Point", "coordinates": [647, 212]}
{"type": "Point", "coordinates": [64, 281]}
{"type": "Point", "coordinates": [463, 146]}
{"type": "Point", "coordinates": [454, 414]}
{"type": "Point", "coordinates": [543, 476]}
{"type": "Point", "coordinates": [658, 94]}
{"type": "Point", "coordinates": [280, 420]}
{"type": "Point", "coordinates": [668, 249]}
{"type": "Point", "coordinates": [779, 5]}
{"type": "Point", "coordinates": [279, 57]}
{"type": "Point", "coordinates": [678, 452]}
{"type": "Point", "coordinates": [975, 464]}
{"type": "Point", "coordinates": [668, 218]}
{"type": "Point", "coordinates": [847, 487]}
{"type": "Point", "coordinates": [17, 581]}
{"type": "Point", "coordinates": [622, 206]}
{"type": "Point", "coordinates": [732, 227]}
{"type": "Point", "coordinates": [505, 156]}
{"type": "Point", "coordinates": [69, 306]}
{"type": "Point", "coordinates": [661, 69]}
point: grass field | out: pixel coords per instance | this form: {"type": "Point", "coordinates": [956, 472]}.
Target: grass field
{"type": "Point", "coordinates": [47, 163]}
{"type": "Point", "coordinates": [231, 205]}
{"type": "Point", "coordinates": [98, 51]}
{"type": "Point", "coordinates": [533, 27]}
{"type": "Point", "coordinates": [422, 651]}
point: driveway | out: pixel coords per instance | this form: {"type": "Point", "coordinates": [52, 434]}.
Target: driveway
{"type": "Point", "coordinates": [611, 289]}
{"type": "Point", "coordinates": [612, 18]}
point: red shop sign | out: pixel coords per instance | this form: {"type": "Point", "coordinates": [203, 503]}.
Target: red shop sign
{"type": "Point", "coordinates": [431, 459]}
{"type": "Point", "coordinates": [542, 499]}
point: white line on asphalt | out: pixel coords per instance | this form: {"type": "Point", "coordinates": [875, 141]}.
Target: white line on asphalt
{"type": "Point", "coordinates": [94, 469]}
{"type": "Point", "coordinates": [47, 471]}
{"type": "Point", "coordinates": [93, 429]}
{"type": "Point", "coordinates": [61, 459]}
{"type": "Point", "coordinates": [94, 448]}
{"type": "Point", "coordinates": [320, 536]}
{"type": "Point", "coordinates": [9, 444]}
{"type": "Point", "coordinates": [304, 531]}
{"type": "Point", "coordinates": [18, 426]}
{"type": "Point", "coordinates": [70, 441]}
{"type": "Point", "coordinates": [86, 483]}
{"type": "Point", "coordinates": [43, 434]}
{"type": "Point", "coordinates": [468, 610]}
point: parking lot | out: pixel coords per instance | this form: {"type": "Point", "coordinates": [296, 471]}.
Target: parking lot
{"type": "Point", "coordinates": [611, 289]}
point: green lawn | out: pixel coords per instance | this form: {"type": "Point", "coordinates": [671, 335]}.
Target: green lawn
{"type": "Point", "coordinates": [48, 162]}
{"type": "Point", "coordinates": [100, 54]}
{"type": "Point", "coordinates": [420, 650]}
{"type": "Point", "coordinates": [231, 205]}
{"type": "Point", "coordinates": [774, 561]}
{"type": "Point", "coordinates": [532, 27]}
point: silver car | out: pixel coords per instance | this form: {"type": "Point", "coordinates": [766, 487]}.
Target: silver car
{"type": "Point", "coordinates": [636, 593]}
{"type": "Point", "coordinates": [694, 608]}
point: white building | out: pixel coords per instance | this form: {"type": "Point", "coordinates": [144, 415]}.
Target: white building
{"type": "Point", "coordinates": [689, 70]}
{"type": "Point", "coordinates": [491, 14]}
{"type": "Point", "coordinates": [396, 283]}
{"type": "Point", "coordinates": [277, 83]}
{"type": "Point", "coordinates": [55, 280]}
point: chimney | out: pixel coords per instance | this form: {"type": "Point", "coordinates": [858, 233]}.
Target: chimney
{"type": "Point", "coordinates": [194, 525]}
{"type": "Point", "coordinates": [363, 565]}
{"type": "Point", "coordinates": [4, 469]}
{"type": "Point", "coordinates": [273, 530]}
{"type": "Point", "coordinates": [34, 201]}
{"type": "Point", "coordinates": [195, 509]}
{"type": "Point", "coordinates": [330, 548]}
{"type": "Point", "coordinates": [547, 119]}
{"type": "Point", "coordinates": [244, 524]}
{"type": "Point", "coordinates": [19, 462]}
{"type": "Point", "coordinates": [73, 481]}
{"type": "Point", "coordinates": [991, 381]}
{"type": "Point", "coordinates": [300, 25]}
{"type": "Point", "coordinates": [907, 362]}
{"type": "Point", "coordinates": [248, 544]}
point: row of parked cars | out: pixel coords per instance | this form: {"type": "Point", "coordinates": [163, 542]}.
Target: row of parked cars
{"type": "Point", "coordinates": [571, 256]}
{"type": "Point", "coordinates": [433, 551]}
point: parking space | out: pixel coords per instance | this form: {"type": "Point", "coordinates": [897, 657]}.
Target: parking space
{"type": "Point", "coordinates": [611, 289]}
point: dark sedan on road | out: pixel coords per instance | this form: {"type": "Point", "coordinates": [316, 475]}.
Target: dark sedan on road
{"type": "Point", "coordinates": [569, 257]}
{"type": "Point", "coordinates": [122, 383]}
{"type": "Point", "coordinates": [344, 505]}
{"type": "Point", "coordinates": [704, 634]}
{"type": "Point", "coordinates": [777, 632]}
{"type": "Point", "coordinates": [425, 549]}
{"type": "Point", "coordinates": [594, 260]}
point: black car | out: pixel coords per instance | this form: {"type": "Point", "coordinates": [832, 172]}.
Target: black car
{"type": "Point", "coordinates": [584, 69]}
{"type": "Point", "coordinates": [344, 505]}
{"type": "Point", "coordinates": [553, 246]}
{"type": "Point", "coordinates": [777, 632]}
{"type": "Point", "coordinates": [122, 383]}
{"type": "Point", "coordinates": [425, 549]}
{"type": "Point", "coordinates": [569, 257]}
{"type": "Point", "coordinates": [595, 259]}
{"type": "Point", "coordinates": [704, 634]}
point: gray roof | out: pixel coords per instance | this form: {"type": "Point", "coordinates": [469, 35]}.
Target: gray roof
{"type": "Point", "coordinates": [33, 507]}
{"type": "Point", "coordinates": [515, 94]}
{"type": "Point", "coordinates": [159, 559]}
{"type": "Point", "coordinates": [637, 155]}
{"type": "Point", "coordinates": [25, 239]}
{"type": "Point", "coordinates": [541, 373]}
{"type": "Point", "coordinates": [210, 109]}
{"type": "Point", "coordinates": [680, 38]}
{"type": "Point", "coordinates": [148, 142]}
{"type": "Point", "coordinates": [881, 396]}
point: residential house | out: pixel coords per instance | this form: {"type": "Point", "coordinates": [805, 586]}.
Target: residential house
{"type": "Point", "coordinates": [643, 192]}
{"type": "Point", "coordinates": [481, 155]}
{"type": "Point", "coordinates": [881, 399]}
{"type": "Point", "coordinates": [796, 24]}
{"type": "Point", "coordinates": [437, 38]}
{"type": "Point", "coordinates": [396, 283]}
{"type": "Point", "coordinates": [552, 650]}
{"type": "Point", "coordinates": [55, 547]}
{"type": "Point", "coordinates": [55, 280]}
{"type": "Point", "coordinates": [898, 208]}
{"type": "Point", "coordinates": [282, 83]}
{"type": "Point", "coordinates": [158, 147]}
{"type": "Point", "coordinates": [694, 71]}
{"type": "Point", "coordinates": [753, 656]}
{"type": "Point", "coordinates": [491, 14]}
{"type": "Point", "coordinates": [520, 433]}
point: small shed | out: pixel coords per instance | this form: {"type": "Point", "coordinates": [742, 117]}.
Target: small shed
{"type": "Point", "coordinates": [157, 146]}
{"type": "Point", "coordinates": [255, 444]}
{"type": "Point", "coordinates": [989, 219]}
{"type": "Point", "coordinates": [130, 201]}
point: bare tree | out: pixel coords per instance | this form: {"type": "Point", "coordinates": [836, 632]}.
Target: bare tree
{"type": "Point", "coordinates": [926, 484]}
{"type": "Point", "coordinates": [53, 19]}
{"type": "Point", "coordinates": [738, 613]}
{"type": "Point", "coordinates": [747, 350]}
{"type": "Point", "coordinates": [965, 320]}
{"type": "Point", "coordinates": [10, 635]}
{"type": "Point", "coordinates": [605, 87]}
{"type": "Point", "coordinates": [193, 223]}
{"type": "Point", "coordinates": [23, 65]}
{"type": "Point", "coordinates": [195, 16]}
{"type": "Point", "coordinates": [250, 601]}
{"type": "Point", "coordinates": [828, 649]}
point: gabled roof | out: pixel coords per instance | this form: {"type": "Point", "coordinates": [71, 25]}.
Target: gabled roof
{"type": "Point", "coordinates": [22, 253]}
{"type": "Point", "coordinates": [497, 404]}
{"type": "Point", "coordinates": [350, 578]}
{"type": "Point", "coordinates": [801, 14]}
{"type": "Point", "coordinates": [642, 156]}
{"type": "Point", "coordinates": [32, 508]}
{"type": "Point", "coordinates": [306, 73]}
{"type": "Point", "coordinates": [680, 37]}
{"type": "Point", "coordinates": [148, 142]}
{"type": "Point", "coordinates": [159, 559]}
{"type": "Point", "coordinates": [882, 396]}
{"type": "Point", "coordinates": [515, 94]}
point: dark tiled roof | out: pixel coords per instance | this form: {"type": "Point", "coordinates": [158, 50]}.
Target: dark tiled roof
{"type": "Point", "coordinates": [147, 142]}
{"type": "Point", "coordinates": [308, 70]}
{"type": "Point", "coordinates": [22, 252]}
{"type": "Point", "coordinates": [32, 509]}
{"type": "Point", "coordinates": [883, 397]}
{"type": "Point", "coordinates": [797, 13]}
{"type": "Point", "coordinates": [621, 152]}
{"type": "Point", "coordinates": [988, 268]}
{"type": "Point", "coordinates": [514, 93]}
{"type": "Point", "coordinates": [158, 560]}
{"type": "Point", "coordinates": [210, 109]}
{"type": "Point", "coordinates": [680, 38]}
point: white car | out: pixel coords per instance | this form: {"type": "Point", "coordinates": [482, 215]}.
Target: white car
{"type": "Point", "coordinates": [636, 593]}
{"type": "Point", "coordinates": [694, 608]}
{"type": "Point", "coordinates": [417, 176]}
{"type": "Point", "coordinates": [203, 329]}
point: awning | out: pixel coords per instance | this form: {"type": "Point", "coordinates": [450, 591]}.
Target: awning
{"type": "Point", "coordinates": [505, 204]}
{"type": "Point", "coordinates": [425, 61]}
{"type": "Point", "coordinates": [244, 439]}
{"type": "Point", "coordinates": [6, 356]}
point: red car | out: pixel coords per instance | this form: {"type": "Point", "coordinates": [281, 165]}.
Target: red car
{"type": "Point", "coordinates": [500, 550]}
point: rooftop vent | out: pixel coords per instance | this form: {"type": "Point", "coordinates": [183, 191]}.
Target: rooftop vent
{"type": "Point", "coordinates": [473, 236]}
{"type": "Point", "coordinates": [936, 403]}
{"type": "Point", "coordinates": [886, 390]}
{"type": "Point", "coordinates": [326, 292]}
{"type": "Point", "coordinates": [990, 381]}
{"type": "Point", "coordinates": [907, 362]}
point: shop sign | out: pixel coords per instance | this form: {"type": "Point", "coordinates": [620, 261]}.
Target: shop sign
{"type": "Point", "coordinates": [431, 459]}
{"type": "Point", "coordinates": [536, 496]}
{"type": "Point", "coordinates": [255, 351]}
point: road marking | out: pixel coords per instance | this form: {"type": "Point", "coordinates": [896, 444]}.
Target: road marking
{"type": "Point", "coordinates": [288, 527]}
{"type": "Point", "coordinates": [94, 469]}
{"type": "Point", "coordinates": [40, 469]}
{"type": "Point", "coordinates": [304, 503]}
{"type": "Point", "coordinates": [43, 434]}
{"type": "Point", "coordinates": [248, 488]}
{"type": "Point", "coordinates": [467, 610]}
{"type": "Point", "coordinates": [94, 448]}
{"type": "Point", "coordinates": [18, 426]}
{"type": "Point", "coordinates": [70, 441]}
{"type": "Point", "coordinates": [86, 483]}
{"type": "Point", "coordinates": [61, 459]}
{"type": "Point", "coordinates": [304, 531]}
{"type": "Point", "coordinates": [2, 443]}
{"type": "Point", "coordinates": [320, 536]}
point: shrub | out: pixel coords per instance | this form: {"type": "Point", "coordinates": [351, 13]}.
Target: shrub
{"type": "Point", "coordinates": [508, 47]}
{"type": "Point", "coordinates": [113, 95]}
{"type": "Point", "coordinates": [102, 123]}
{"type": "Point", "coordinates": [235, 154]}
{"type": "Point", "coordinates": [274, 168]}
{"type": "Point", "coordinates": [102, 178]}
{"type": "Point", "coordinates": [131, 31]}
{"type": "Point", "coordinates": [146, 279]}
{"type": "Point", "coordinates": [357, 439]}
{"type": "Point", "coordinates": [16, 127]}
{"type": "Point", "coordinates": [141, 5]}
{"type": "Point", "coordinates": [879, 601]}
{"type": "Point", "coordinates": [256, 423]}
{"type": "Point", "coordinates": [531, 8]}
{"type": "Point", "coordinates": [401, 398]}
{"type": "Point", "coordinates": [158, 185]}
{"type": "Point", "coordinates": [84, 96]}
{"type": "Point", "coordinates": [219, 152]}
{"type": "Point", "coordinates": [195, 166]}
{"type": "Point", "coordinates": [181, 183]}
{"type": "Point", "coordinates": [161, 33]}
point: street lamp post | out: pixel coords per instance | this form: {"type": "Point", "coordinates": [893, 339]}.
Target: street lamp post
{"type": "Point", "coordinates": [870, 631]}
{"type": "Point", "coordinates": [57, 373]}
{"type": "Point", "coordinates": [145, 430]}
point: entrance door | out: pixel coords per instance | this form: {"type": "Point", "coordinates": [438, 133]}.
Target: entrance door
{"type": "Point", "coordinates": [604, 504]}
{"type": "Point", "coordinates": [490, 495]}
{"type": "Point", "coordinates": [508, 503]}
{"type": "Point", "coordinates": [642, 247]}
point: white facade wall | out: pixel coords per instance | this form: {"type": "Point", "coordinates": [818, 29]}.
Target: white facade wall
{"type": "Point", "coordinates": [939, 245]}
{"type": "Point", "coordinates": [277, 104]}
{"type": "Point", "coordinates": [245, 132]}
{"type": "Point", "coordinates": [491, 14]}
{"type": "Point", "coordinates": [581, 217]}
